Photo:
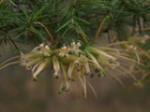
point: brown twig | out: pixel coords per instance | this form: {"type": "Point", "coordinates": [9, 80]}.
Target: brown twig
{"type": "Point", "coordinates": [100, 28]}
{"type": "Point", "coordinates": [46, 29]}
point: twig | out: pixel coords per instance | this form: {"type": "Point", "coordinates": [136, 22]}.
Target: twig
{"type": "Point", "coordinates": [100, 28]}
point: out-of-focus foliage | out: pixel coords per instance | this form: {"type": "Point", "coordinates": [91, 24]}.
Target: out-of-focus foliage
{"type": "Point", "coordinates": [69, 19]}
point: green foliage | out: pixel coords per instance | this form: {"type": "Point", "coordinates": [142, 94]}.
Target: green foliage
{"type": "Point", "coordinates": [67, 18]}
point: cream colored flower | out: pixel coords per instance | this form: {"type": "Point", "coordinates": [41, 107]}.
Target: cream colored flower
{"type": "Point", "coordinates": [64, 51]}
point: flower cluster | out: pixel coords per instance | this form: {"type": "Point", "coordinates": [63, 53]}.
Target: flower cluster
{"type": "Point", "coordinates": [71, 62]}
{"type": "Point", "coordinates": [73, 48]}
{"type": "Point", "coordinates": [42, 49]}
